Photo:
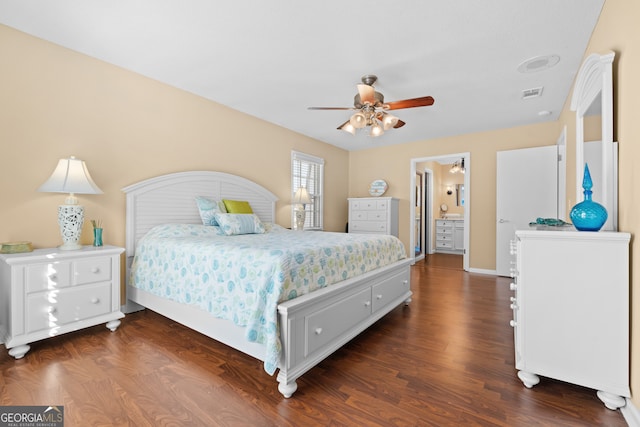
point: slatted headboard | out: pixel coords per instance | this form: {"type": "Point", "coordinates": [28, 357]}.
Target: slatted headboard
{"type": "Point", "coordinates": [171, 199]}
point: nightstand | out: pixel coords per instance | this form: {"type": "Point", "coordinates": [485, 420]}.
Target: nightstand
{"type": "Point", "coordinates": [49, 292]}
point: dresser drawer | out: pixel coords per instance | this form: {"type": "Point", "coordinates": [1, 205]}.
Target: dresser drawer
{"type": "Point", "coordinates": [92, 270]}
{"type": "Point", "coordinates": [444, 237]}
{"type": "Point", "coordinates": [49, 309]}
{"type": "Point", "coordinates": [368, 227]}
{"type": "Point", "coordinates": [329, 323]}
{"type": "Point", "coordinates": [441, 230]}
{"type": "Point", "coordinates": [377, 216]}
{"type": "Point", "coordinates": [442, 244]}
{"type": "Point", "coordinates": [53, 275]}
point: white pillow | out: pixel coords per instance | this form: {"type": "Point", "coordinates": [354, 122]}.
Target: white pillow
{"type": "Point", "coordinates": [208, 208]}
{"type": "Point", "coordinates": [232, 224]}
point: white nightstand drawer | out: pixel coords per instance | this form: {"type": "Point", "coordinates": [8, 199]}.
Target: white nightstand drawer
{"type": "Point", "coordinates": [444, 238]}
{"type": "Point", "coordinates": [48, 309]}
{"type": "Point", "coordinates": [92, 270]}
{"type": "Point", "coordinates": [53, 275]}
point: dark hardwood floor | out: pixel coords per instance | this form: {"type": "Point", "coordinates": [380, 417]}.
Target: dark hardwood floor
{"type": "Point", "coordinates": [445, 360]}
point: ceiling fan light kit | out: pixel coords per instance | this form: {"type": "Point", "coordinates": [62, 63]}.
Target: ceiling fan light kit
{"type": "Point", "coordinates": [371, 110]}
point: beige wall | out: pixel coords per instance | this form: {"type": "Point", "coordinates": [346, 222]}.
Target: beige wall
{"type": "Point", "coordinates": [57, 103]}
{"type": "Point", "coordinates": [393, 164]}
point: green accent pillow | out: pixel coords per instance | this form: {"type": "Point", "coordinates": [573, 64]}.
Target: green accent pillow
{"type": "Point", "coordinates": [237, 206]}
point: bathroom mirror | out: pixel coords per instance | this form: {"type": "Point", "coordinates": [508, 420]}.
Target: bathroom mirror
{"type": "Point", "coordinates": [459, 194]}
{"type": "Point", "coordinates": [593, 103]}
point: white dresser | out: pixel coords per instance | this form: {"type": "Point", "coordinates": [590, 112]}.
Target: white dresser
{"type": "Point", "coordinates": [450, 236]}
{"type": "Point", "coordinates": [571, 310]}
{"type": "Point", "coordinates": [49, 292]}
{"type": "Point", "coordinates": [376, 215]}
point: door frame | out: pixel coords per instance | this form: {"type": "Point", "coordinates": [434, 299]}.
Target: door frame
{"type": "Point", "coordinates": [467, 208]}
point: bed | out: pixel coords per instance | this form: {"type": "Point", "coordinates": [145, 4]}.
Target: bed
{"type": "Point", "coordinates": [309, 323]}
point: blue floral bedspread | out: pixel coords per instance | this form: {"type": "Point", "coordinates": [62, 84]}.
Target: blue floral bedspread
{"type": "Point", "coordinates": [242, 278]}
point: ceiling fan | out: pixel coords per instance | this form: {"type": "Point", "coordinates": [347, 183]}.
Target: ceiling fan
{"type": "Point", "coordinates": [372, 111]}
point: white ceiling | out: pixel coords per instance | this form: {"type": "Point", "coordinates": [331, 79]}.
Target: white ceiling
{"type": "Point", "coordinates": [273, 59]}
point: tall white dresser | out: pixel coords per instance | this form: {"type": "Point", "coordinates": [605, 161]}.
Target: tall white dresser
{"type": "Point", "coordinates": [571, 310]}
{"type": "Point", "coordinates": [374, 215]}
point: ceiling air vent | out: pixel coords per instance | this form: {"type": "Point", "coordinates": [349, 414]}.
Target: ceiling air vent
{"type": "Point", "coordinates": [532, 93]}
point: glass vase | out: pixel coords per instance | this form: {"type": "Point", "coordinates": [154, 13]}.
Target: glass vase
{"type": "Point", "coordinates": [588, 215]}
{"type": "Point", "coordinates": [97, 237]}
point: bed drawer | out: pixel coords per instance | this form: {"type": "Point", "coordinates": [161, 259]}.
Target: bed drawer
{"type": "Point", "coordinates": [329, 323]}
{"type": "Point", "coordinates": [389, 290]}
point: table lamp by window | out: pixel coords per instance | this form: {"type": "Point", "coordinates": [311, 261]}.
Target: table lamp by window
{"type": "Point", "coordinates": [70, 176]}
{"type": "Point", "coordinates": [300, 198]}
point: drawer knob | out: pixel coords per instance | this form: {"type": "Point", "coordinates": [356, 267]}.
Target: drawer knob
{"type": "Point", "coordinates": [95, 300]}
{"type": "Point", "coordinates": [51, 310]}
{"type": "Point", "coordinates": [53, 277]}
{"type": "Point", "coordinates": [379, 296]}
{"type": "Point", "coordinates": [367, 303]}
{"type": "Point", "coordinates": [404, 282]}
{"type": "Point", "coordinates": [513, 323]}
{"type": "Point", "coordinates": [513, 306]}
{"type": "Point", "coordinates": [318, 331]}
{"type": "Point", "coordinates": [513, 286]}
{"type": "Point", "coordinates": [95, 270]}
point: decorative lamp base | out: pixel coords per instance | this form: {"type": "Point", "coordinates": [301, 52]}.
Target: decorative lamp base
{"type": "Point", "coordinates": [70, 219]}
{"type": "Point", "coordinates": [300, 215]}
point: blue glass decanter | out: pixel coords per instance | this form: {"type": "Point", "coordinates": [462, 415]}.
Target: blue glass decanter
{"type": "Point", "coordinates": [588, 215]}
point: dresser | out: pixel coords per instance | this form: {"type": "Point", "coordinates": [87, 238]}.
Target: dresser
{"type": "Point", "coordinates": [571, 310]}
{"type": "Point", "coordinates": [450, 236]}
{"type": "Point", "coordinates": [50, 292]}
{"type": "Point", "coordinates": [375, 215]}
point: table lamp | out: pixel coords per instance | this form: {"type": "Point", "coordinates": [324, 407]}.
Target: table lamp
{"type": "Point", "coordinates": [70, 176]}
{"type": "Point", "coordinates": [300, 198]}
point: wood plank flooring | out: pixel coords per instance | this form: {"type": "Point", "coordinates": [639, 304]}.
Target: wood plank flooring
{"type": "Point", "coordinates": [445, 360]}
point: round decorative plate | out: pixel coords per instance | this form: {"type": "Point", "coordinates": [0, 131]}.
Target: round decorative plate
{"type": "Point", "coordinates": [378, 187]}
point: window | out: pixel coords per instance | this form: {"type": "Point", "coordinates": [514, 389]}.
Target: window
{"type": "Point", "coordinates": [308, 171]}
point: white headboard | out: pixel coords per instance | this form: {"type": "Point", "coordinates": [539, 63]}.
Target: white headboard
{"type": "Point", "coordinates": [171, 199]}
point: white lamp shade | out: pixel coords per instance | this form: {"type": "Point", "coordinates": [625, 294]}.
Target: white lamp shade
{"type": "Point", "coordinates": [348, 127]}
{"type": "Point", "coordinates": [70, 176]}
{"type": "Point", "coordinates": [376, 129]}
{"type": "Point", "coordinates": [301, 196]}
{"type": "Point", "coordinates": [358, 120]}
{"type": "Point", "coordinates": [389, 121]}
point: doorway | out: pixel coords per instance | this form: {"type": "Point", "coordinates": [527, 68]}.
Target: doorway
{"type": "Point", "coordinates": [430, 209]}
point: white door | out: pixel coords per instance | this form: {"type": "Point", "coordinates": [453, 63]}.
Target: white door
{"type": "Point", "coordinates": [527, 188]}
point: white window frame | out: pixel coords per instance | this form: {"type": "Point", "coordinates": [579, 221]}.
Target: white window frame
{"type": "Point", "coordinates": [315, 212]}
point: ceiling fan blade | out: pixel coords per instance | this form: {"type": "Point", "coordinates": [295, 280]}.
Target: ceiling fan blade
{"type": "Point", "coordinates": [342, 125]}
{"type": "Point", "coordinates": [399, 124]}
{"type": "Point", "coordinates": [367, 93]}
{"type": "Point", "coordinates": [425, 101]}
{"type": "Point", "coordinates": [330, 108]}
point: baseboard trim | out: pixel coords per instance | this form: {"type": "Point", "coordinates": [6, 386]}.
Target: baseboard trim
{"type": "Point", "coordinates": [483, 271]}
{"type": "Point", "coordinates": [631, 414]}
